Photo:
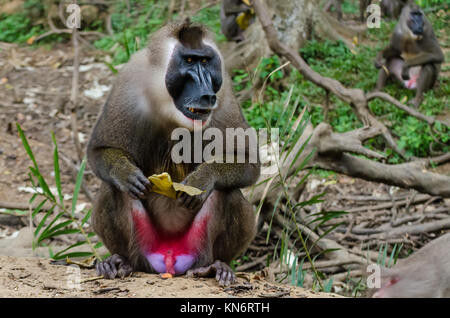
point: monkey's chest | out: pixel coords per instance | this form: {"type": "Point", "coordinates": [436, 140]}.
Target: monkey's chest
{"type": "Point", "coordinates": [166, 253]}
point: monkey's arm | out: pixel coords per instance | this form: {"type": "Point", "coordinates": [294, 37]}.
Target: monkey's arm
{"type": "Point", "coordinates": [117, 167]}
{"type": "Point", "coordinates": [218, 176]}
{"type": "Point", "coordinates": [388, 53]}
{"type": "Point", "coordinates": [425, 58]}
{"type": "Point", "coordinates": [422, 59]}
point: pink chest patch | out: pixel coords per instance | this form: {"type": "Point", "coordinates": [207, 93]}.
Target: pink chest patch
{"type": "Point", "coordinates": [168, 253]}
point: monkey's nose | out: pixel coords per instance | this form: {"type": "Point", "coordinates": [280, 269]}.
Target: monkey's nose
{"type": "Point", "coordinates": [208, 100]}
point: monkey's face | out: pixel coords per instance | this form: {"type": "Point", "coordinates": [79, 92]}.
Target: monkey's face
{"type": "Point", "coordinates": [416, 23]}
{"type": "Point", "coordinates": [193, 78]}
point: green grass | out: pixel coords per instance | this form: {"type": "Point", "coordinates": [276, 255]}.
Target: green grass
{"type": "Point", "coordinates": [18, 28]}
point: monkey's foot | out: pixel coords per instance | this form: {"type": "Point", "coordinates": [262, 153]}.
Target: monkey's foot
{"type": "Point", "coordinates": [415, 102]}
{"type": "Point", "coordinates": [114, 266]}
{"type": "Point", "coordinates": [224, 274]}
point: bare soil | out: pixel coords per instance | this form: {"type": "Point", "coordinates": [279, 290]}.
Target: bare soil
{"type": "Point", "coordinates": [35, 277]}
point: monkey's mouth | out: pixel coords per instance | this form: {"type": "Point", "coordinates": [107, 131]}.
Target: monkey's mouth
{"type": "Point", "coordinates": [197, 113]}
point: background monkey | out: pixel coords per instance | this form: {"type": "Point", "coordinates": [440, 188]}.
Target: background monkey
{"type": "Point", "coordinates": [178, 78]}
{"type": "Point", "coordinates": [229, 11]}
{"type": "Point", "coordinates": [413, 55]}
{"type": "Point", "coordinates": [424, 274]}
{"type": "Point", "coordinates": [392, 8]}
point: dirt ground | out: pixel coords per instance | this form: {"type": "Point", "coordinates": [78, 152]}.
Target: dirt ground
{"type": "Point", "coordinates": [35, 277]}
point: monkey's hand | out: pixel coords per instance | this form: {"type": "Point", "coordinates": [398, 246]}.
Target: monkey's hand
{"type": "Point", "coordinates": [131, 180]}
{"type": "Point", "coordinates": [405, 72]}
{"type": "Point", "coordinates": [195, 202]}
{"type": "Point", "coordinates": [379, 63]}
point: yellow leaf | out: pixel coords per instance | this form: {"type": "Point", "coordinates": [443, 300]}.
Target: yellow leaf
{"type": "Point", "coordinates": [404, 99]}
{"type": "Point", "coordinates": [31, 40]}
{"type": "Point", "coordinates": [166, 275]}
{"type": "Point", "coordinates": [243, 20]}
{"type": "Point", "coordinates": [185, 188]}
{"type": "Point", "coordinates": [163, 184]}
{"type": "Point", "coordinates": [84, 263]}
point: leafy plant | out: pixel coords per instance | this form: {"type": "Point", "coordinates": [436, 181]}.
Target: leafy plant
{"type": "Point", "coordinates": [17, 28]}
{"type": "Point", "coordinates": [59, 219]}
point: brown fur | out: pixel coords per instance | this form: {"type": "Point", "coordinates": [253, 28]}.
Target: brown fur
{"type": "Point", "coordinates": [426, 273]}
{"type": "Point", "coordinates": [132, 135]}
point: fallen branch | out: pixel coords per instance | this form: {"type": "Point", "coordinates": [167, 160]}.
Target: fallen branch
{"type": "Point", "coordinates": [408, 110]}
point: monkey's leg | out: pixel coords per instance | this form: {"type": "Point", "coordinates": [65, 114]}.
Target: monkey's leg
{"type": "Point", "coordinates": [230, 230]}
{"type": "Point", "coordinates": [382, 78]}
{"type": "Point", "coordinates": [111, 223]}
{"type": "Point", "coordinates": [230, 28]}
{"type": "Point", "coordinates": [425, 82]}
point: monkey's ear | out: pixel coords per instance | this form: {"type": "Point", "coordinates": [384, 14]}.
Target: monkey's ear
{"type": "Point", "coordinates": [187, 21]}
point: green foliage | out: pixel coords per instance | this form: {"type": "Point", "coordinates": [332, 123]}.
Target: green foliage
{"type": "Point", "coordinates": [210, 18]}
{"type": "Point", "coordinates": [58, 220]}
{"type": "Point", "coordinates": [382, 255]}
{"type": "Point", "coordinates": [17, 28]}
{"type": "Point", "coordinates": [133, 27]}
{"type": "Point", "coordinates": [144, 18]}
{"type": "Point", "coordinates": [353, 68]}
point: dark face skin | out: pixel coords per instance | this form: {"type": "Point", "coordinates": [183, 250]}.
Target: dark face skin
{"type": "Point", "coordinates": [415, 22]}
{"type": "Point", "coordinates": [193, 78]}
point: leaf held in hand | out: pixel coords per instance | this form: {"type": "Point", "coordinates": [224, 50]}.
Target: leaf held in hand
{"type": "Point", "coordinates": [163, 184]}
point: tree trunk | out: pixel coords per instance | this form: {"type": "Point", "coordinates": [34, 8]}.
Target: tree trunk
{"type": "Point", "coordinates": [295, 21]}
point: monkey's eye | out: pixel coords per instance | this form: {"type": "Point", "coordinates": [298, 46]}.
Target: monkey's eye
{"type": "Point", "coordinates": [204, 60]}
{"type": "Point", "coordinates": [189, 60]}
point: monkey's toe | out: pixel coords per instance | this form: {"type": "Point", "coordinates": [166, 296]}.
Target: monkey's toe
{"type": "Point", "coordinates": [415, 102]}
{"type": "Point", "coordinates": [223, 273]}
{"type": "Point", "coordinates": [114, 266]}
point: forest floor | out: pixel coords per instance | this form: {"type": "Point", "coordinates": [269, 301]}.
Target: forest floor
{"type": "Point", "coordinates": [34, 89]}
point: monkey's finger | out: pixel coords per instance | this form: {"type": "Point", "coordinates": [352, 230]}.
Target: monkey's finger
{"type": "Point", "coordinates": [133, 180]}
{"type": "Point", "coordinates": [189, 203]}
{"type": "Point", "coordinates": [109, 272]}
{"type": "Point", "coordinates": [99, 268]}
{"type": "Point", "coordinates": [219, 270]}
{"type": "Point", "coordinates": [124, 270]}
{"type": "Point", "coordinates": [144, 180]}
{"type": "Point", "coordinates": [183, 198]}
{"type": "Point", "coordinates": [224, 278]}
{"type": "Point", "coordinates": [135, 191]}
{"type": "Point", "coordinates": [233, 277]}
